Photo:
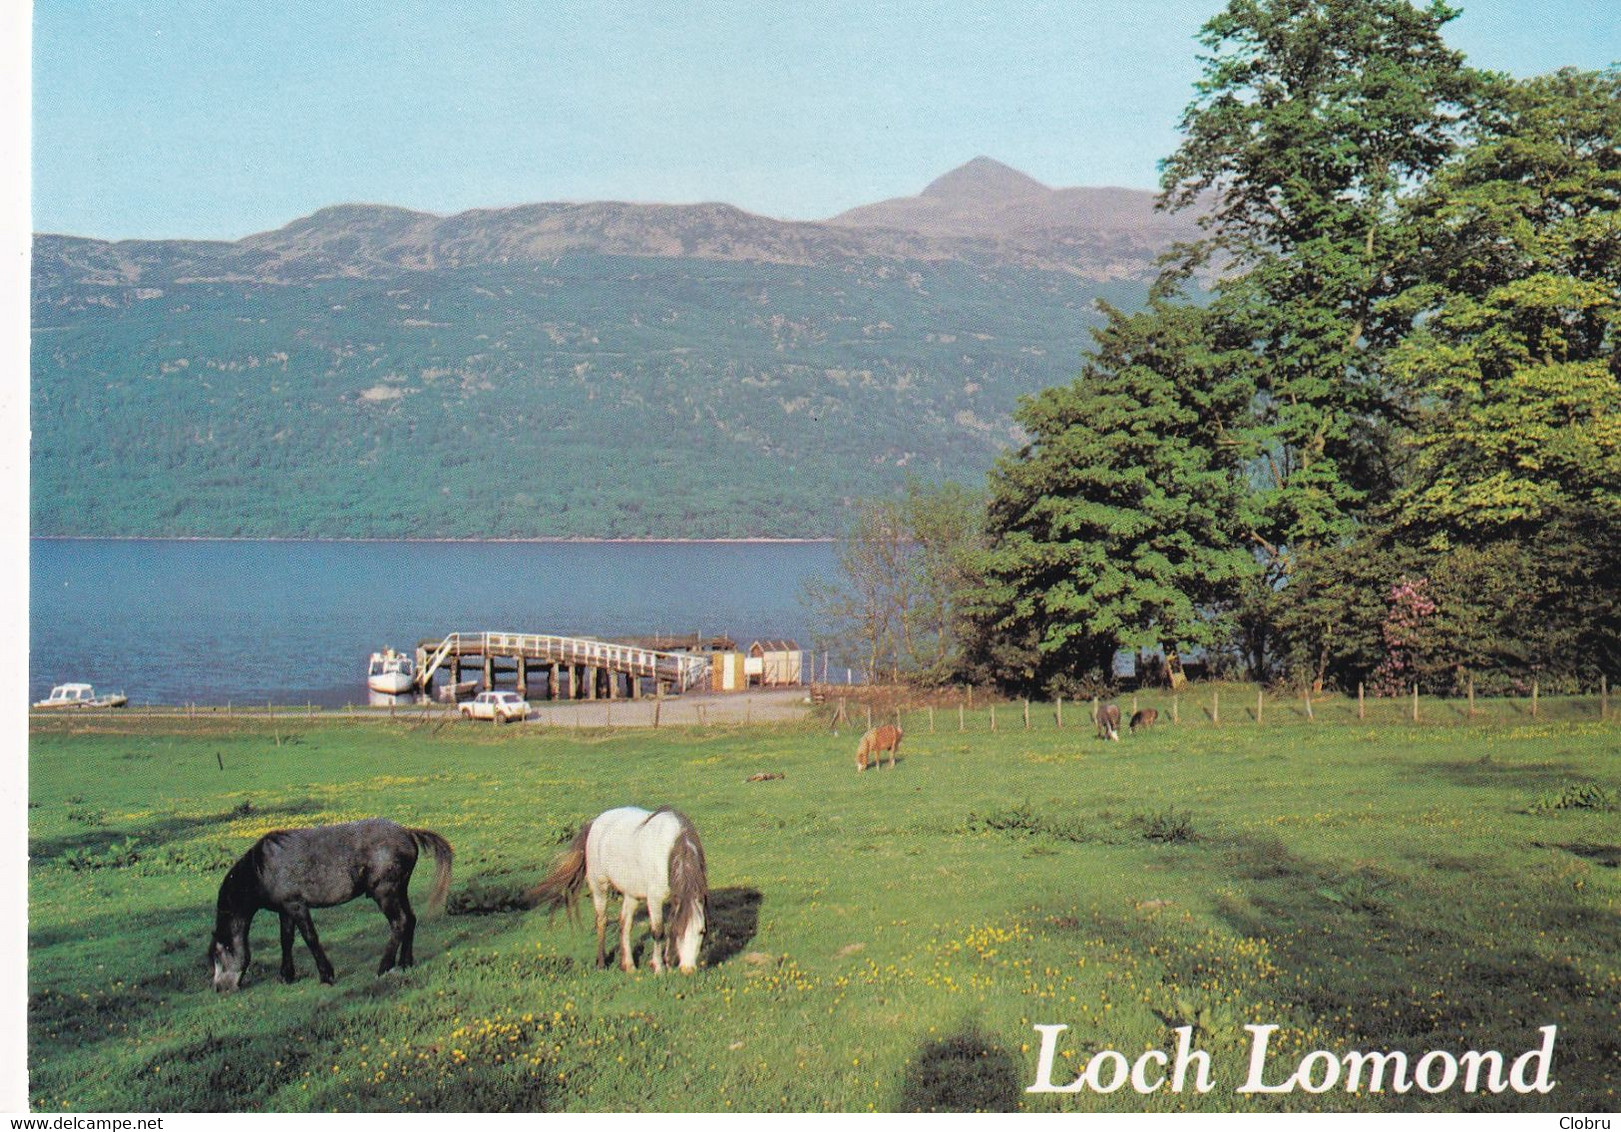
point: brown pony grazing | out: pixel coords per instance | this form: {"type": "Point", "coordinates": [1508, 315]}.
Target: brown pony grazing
{"type": "Point", "coordinates": [1109, 721]}
{"type": "Point", "coordinates": [1144, 719]}
{"type": "Point", "coordinates": [875, 742]}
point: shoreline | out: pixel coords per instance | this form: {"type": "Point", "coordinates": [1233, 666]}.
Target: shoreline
{"type": "Point", "coordinates": [539, 540]}
{"type": "Point", "coordinates": [756, 706]}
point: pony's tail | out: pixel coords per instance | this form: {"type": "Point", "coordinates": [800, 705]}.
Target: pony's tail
{"type": "Point", "coordinates": [442, 857]}
{"type": "Point", "coordinates": [560, 887]}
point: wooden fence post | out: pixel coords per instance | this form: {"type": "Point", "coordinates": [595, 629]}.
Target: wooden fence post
{"type": "Point", "coordinates": [1060, 713]}
{"type": "Point", "coordinates": [1603, 697]}
{"type": "Point", "coordinates": [961, 726]}
{"type": "Point", "coordinates": [1175, 704]}
{"type": "Point", "coordinates": [1215, 707]}
{"type": "Point", "coordinates": [1027, 713]}
{"type": "Point", "coordinates": [1260, 696]}
{"type": "Point", "coordinates": [1415, 701]}
{"type": "Point", "coordinates": [993, 717]}
{"type": "Point", "coordinates": [1533, 699]}
{"type": "Point", "coordinates": [1361, 711]}
{"type": "Point", "coordinates": [1471, 695]}
{"type": "Point", "coordinates": [931, 719]}
{"type": "Point", "coordinates": [1309, 715]}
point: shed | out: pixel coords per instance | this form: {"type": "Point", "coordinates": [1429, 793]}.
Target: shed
{"type": "Point", "coordinates": [775, 664]}
{"type": "Point", "coordinates": [727, 672]}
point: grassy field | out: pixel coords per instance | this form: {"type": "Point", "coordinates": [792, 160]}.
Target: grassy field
{"type": "Point", "coordinates": [881, 941]}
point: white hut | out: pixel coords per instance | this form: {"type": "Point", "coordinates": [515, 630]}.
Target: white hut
{"type": "Point", "coordinates": [775, 664]}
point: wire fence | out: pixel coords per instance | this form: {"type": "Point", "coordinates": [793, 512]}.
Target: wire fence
{"type": "Point", "coordinates": [1213, 705]}
{"type": "Point", "coordinates": [960, 709]}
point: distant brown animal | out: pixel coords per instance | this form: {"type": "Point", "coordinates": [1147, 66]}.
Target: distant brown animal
{"type": "Point", "coordinates": [1109, 721]}
{"type": "Point", "coordinates": [875, 742]}
{"type": "Point", "coordinates": [1144, 719]}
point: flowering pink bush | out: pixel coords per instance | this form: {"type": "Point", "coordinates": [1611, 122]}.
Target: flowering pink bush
{"type": "Point", "coordinates": [1410, 610]}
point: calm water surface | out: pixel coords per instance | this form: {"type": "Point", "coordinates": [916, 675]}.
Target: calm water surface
{"type": "Point", "coordinates": [211, 622]}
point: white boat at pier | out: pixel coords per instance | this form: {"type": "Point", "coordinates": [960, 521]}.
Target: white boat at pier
{"type": "Point", "coordinates": [79, 696]}
{"type": "Point", "coordinates": [390, 672]}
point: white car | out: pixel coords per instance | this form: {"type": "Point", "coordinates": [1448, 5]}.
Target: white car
{"type": "Point", "coordinates": [500, 707]}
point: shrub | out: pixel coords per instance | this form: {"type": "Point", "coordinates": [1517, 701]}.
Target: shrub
{"type": "Point", "coordinates": [1576, 796]}
{"type": "Point", "coordinates": [1166, 825]}
{"type": "Point", "coordinates": [1021, 820]}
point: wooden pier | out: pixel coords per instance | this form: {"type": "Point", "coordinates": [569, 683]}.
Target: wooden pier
{"type": "Point", "coordinates": [555, 668]}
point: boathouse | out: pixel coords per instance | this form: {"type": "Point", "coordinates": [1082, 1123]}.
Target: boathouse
{"type": "Point", "coordinates": [774, 664]}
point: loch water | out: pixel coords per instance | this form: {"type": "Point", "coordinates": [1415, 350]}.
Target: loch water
{"type": "Point", "coordinates": [250, 622]}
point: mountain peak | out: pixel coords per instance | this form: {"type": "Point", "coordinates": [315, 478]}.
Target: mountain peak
{"type": "Point", "coordinates": [983, 180]}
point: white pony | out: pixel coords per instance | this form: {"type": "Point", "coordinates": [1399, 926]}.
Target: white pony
{"type": "Point", "coordinates": [650, 856]}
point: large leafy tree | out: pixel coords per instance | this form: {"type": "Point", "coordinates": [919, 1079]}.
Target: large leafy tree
{"type": "Point", "coordinates": [1117, 524]}
{"type": "Point", "coordinates": [1515, 364]}
{"type": "Point", "coordinates": [1516, 375]}
{"type": "Point", "coordinates": [1313, 121]}
{"type": "Point", "coordinates": [1312, 124]}
{"type": "Point", "coordinates": [1510, 513]}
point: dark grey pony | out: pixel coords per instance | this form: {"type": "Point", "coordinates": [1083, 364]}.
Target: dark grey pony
{"type": "Point", "coordinates": [291, 871]}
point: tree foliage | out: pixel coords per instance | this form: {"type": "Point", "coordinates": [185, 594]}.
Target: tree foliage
{"type": "Point", "coordinates": [1311, 123]}
{"type": "Point", "coordinates": [1117, 524]}
{"type": "Point", "coordinates": [906, 567]}
{"type": "Point", "coordinates": [1387, 444]}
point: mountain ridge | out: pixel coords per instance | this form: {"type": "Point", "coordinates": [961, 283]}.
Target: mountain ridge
{"type": "Point", "coordinates": [980, 212]}
{"type": "Point", "coordinates": [559, 370]}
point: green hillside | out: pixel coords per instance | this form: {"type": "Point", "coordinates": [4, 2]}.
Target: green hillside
{"type": "Point", "coordinates": [589, 395]}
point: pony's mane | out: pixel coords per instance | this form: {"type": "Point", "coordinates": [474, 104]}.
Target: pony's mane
{"type": "Point", "coordinates": [689, 882]}
{"type": "Point", "coordinates": [275, 839]}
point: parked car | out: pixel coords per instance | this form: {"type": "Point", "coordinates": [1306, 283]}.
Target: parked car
{"type": "Point", "coordinates": [499, 707]}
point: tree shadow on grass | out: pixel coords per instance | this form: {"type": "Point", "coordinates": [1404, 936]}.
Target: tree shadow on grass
{"type": "Point", "coordinates": [962, 1072]}
{"type": "Point", "coordinates": [149, 837]}
{"type": "Point", "coordinates": [242, 1066]}
{"type": "Point", "coordinates": [1367, 950]}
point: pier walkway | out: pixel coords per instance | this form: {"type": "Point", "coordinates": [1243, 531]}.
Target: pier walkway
{"type": "Point", "coordinates": [583, 668]}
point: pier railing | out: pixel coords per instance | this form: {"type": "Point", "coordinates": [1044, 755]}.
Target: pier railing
{"type": "Point", "coordinates": [684, 670]}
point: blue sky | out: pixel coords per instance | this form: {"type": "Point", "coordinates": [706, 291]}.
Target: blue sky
{"type": "Point", "coordinates": [219, 119]}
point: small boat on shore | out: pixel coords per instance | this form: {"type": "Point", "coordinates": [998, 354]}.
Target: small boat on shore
{"type": "Point", "coordinates": [391, 672]}
{"type": "Point", "coordinates": [455, 693]}
{"type": "Point", "coordinates": [80, 696]}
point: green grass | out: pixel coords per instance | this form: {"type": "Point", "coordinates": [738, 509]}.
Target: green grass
{"type": "Point", "coordinates": [879, 941]}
